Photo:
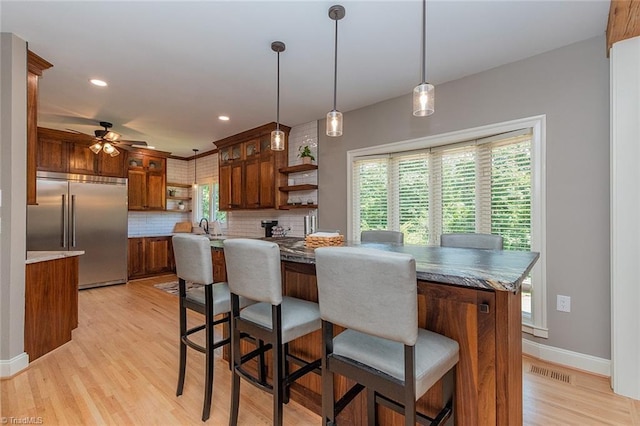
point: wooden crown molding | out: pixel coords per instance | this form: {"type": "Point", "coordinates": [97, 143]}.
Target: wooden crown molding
{"type": "Point", "coordinates": [624, 21]}
{"type": "Point", "coordinates": [251, 134]}
{"type": "Point", "coordinates": [35, 64]}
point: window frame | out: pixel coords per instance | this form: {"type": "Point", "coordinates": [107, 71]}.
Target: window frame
{"type": "Point", "coordinates": [536, 323]}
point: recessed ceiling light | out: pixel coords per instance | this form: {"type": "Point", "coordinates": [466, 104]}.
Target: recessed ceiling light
{"type": "Point", "coordinates": [223, 118]}
{"type": "Point", "coordinates": [98, 82]}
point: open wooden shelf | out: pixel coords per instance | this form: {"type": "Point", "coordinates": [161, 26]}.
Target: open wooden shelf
{"type": "Point", "coordinates": [298, 206]}
{"type": "Point", "coordinates": [179, 185]}
{"type": "Point", "coordinates": [303, 187]}
{"type": "Point", "coordinates": [169, 197]}
{"type": "Point", "coordinates": [298, 168]}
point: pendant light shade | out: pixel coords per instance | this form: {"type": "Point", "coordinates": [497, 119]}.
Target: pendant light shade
{"type": "Point", "coordinates": [277, 136]}
{"type": "Point", "coordinates": [334, 117]}
{"type": "Point", "coordinates": [424, 93]}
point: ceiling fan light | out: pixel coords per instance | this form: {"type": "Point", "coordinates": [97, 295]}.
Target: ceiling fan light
{"type": "Point", "coordinates": [108, 148]}
{"type": "Point", "coordinates": [277, 140]}
{"type": "Point", "coordinates": [334, 123]}
{"type": "Point", "coordinates": [111, 136]}
{"type": "Point", "coordinates": [96, 147]}
{"type": "Point", "coordinates": [115, 152]}
{"type": "Point", "coordinates": [423, 100]}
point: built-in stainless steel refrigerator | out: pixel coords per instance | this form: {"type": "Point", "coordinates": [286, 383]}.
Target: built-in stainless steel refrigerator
{"type": "Point", "coordinates": [80, 212]}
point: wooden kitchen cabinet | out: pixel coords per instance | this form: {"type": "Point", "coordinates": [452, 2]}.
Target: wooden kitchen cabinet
{"type": "Point", "coordinates": [35, 66]}
{"type": "Point", "coordinates": [248, 170]}
{"type": "Point", "coordinates": [147, 181]}
{"type": "Point", "coordinates": [51, 305]}
{"type": "Point", "coordinates": [149, 256]}
{"type": "Point", "coordinates": [66, 152]}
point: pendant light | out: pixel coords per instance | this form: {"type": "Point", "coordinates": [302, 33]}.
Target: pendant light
{"type": "Point", "coordinates": [334, 117]}
{"type": "Point", "coordinates": [424, 93]}
{"type": "Point", "coordinates": [195, 181]}
{"type": "Point", "coordinates": [277, 136]}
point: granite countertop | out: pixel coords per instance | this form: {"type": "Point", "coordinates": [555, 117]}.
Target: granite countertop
{"type": "Point", "coordinates": [501, 270]}
{"type": "Point", "coordinates": [43, 256]}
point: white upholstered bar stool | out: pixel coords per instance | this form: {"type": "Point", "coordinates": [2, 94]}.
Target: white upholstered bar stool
{"type": "Point", "coordinates": [373, 295]}
{"type": "Point", "coordinates": [472, 240]}
{"type": "Point", "coordinates": [253, 270]}
{"type": "Point", "coordinates": [381, 236]}
{"type": "Point", "coordinates": [193, 264]}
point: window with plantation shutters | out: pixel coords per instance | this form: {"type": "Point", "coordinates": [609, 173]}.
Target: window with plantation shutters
{"type": "Point", "coordinates": [482, 185]}
{"type": "Point", "coordinates": [371, 189]}
{"type": "Point", "coordinates": [492, 185]}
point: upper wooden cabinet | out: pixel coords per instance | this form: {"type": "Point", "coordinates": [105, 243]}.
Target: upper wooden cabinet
{"type": "Point", "coordinates": [147, 180]}
{"type": "Point", "coordinates": [35, 66]}
{"type": "Point", "coordinates": [248, 168]}
{"type": "Point", "coordinates": [66, 152]}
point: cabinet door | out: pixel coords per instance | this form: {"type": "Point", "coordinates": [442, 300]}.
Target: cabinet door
{"type": "Point", "coordinates": [81, 159]}
{"type": "Point", "coordinates": [157, 254]}
{"type": "Point", "coordinates": [135, 258]}
{"type": "Point", "coordinates": [112, 166]}
{"type": "Point", "coordinates": [469, 317]}
{"type": "Point", "coordinates": [236, 185]}
{"type": "Point", "coordinates": [267, 183]}
{"type": "Point", "coordinates": [52, 155]}
{"type": "Point", "coordinates": [137, 189]}
{"type": "Point", "coordinates": [155, 191]}
{"type": "Point", "coordinates": [224, 180]}
{"type": "Point", "coordinates": [252, 184]}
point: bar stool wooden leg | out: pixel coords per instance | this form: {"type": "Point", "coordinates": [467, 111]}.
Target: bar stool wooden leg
{"type": "Point", "coordinates": [209, 355]}
{"type": "Point", "coordinates": [328, 402]}
{"type": "Point", "coordinates": [278, 368]}
{"type": "Point", "coordinates": [183, 346]}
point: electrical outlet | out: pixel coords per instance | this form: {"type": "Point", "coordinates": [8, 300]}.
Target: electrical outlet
{"type": "Point", "coordinates": [563, 303]}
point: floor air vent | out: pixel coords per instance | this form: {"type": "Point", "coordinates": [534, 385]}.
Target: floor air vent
{"type": "Point", "coordinates": [545, 372]}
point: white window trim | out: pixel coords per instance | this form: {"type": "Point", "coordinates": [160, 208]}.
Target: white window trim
{"type": "Point", "coordinates": [538, 199]}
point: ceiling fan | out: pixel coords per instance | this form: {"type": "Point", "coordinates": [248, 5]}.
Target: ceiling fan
{"type": "Point", "coordinates": [106, 139]}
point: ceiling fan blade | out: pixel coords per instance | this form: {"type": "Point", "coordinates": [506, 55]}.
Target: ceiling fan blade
{"type": "Point", "coordinates": [79, 133]}
{"type": "Point", "coordinates": [133, 143]}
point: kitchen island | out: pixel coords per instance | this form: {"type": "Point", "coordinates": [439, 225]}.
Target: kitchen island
{"type": "Point", "coordinates": [472, 296]}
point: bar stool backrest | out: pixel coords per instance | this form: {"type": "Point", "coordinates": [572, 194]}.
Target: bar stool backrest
{"type": "Point", "coordinates": [253, 269]}
{"type": "Point", "coordinates": [471, 240]}
{"type": "Point", "coordinates": [381, 236]}
{"type": "Point", "coordinates": [369, 290]}
{"type": "Point", "coordinates": [192, 254]}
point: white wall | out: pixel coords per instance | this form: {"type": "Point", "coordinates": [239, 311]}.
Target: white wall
{"type": "Point", "coordinates": [13, 136]}
{"type": "Point", "coordinates": [625, 228]}
{"type": "Point", "coordinates": [570, 86]}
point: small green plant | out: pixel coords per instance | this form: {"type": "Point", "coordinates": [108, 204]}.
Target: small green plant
{"type": "Point", "coordinates": [305, 151]}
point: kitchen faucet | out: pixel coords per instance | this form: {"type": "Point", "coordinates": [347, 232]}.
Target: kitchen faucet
{"type": "Point", "coordinates": [206, 226]}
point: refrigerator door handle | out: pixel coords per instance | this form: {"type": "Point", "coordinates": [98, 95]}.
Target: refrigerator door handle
{"type": "Point", "coordinates": [73, 221]}
{"type": "Point", "coordinates": [65, 225]}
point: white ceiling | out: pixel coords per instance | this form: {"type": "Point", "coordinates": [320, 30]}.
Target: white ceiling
{"type": "Point", "coordinates": [174, 66]}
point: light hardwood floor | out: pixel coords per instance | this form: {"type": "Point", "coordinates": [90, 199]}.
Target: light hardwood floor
{"type": "Point", "coordinates": [121, 368]}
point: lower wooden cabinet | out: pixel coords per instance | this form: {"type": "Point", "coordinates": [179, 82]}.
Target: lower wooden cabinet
{"type": "Point", "coordinates": [51, 305]}
{"type": "Point", "coordinates": [149, 256]}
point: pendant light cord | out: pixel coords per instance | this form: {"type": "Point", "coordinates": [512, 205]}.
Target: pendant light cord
{"type": "Point", "coordinates": [278, 97]}
{"type": "Point", "coordinates": [335, 68]}
{"type": "Point", "coordinates": [424, 41]}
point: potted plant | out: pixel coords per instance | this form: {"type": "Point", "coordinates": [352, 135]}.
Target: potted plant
{"type": "Point", "coordinates": [180, 205]}
{"type": "Point", "coordinates": [305, 154]}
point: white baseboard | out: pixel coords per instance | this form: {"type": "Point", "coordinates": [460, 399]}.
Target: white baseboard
{"type": "Point", "coordinates": [14, 365]}
{"type": "Point", "coordinates": [571, 359]}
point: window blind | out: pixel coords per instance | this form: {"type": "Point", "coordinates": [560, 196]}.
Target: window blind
{"type": "Point", "coordinates": [473, 186]}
